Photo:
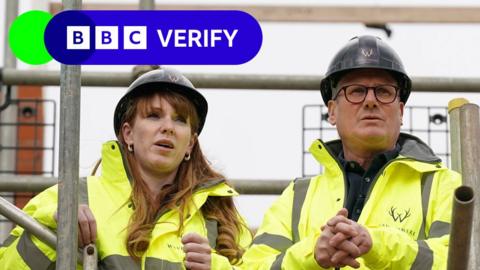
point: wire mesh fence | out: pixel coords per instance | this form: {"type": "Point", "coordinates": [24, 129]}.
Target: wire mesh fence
{"type": "Point", "coordinates": [33, 148]}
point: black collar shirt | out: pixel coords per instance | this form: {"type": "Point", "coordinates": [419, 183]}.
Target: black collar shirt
{"type": "Point", "coordinates": [360, 180]}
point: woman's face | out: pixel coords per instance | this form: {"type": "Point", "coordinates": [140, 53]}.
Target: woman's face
{"type": "Point", "coordinates": [161, 138]}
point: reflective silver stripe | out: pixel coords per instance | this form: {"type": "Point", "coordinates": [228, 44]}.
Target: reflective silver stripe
{"type": "Point", "coordinates": [438, 229]}
{"type": "Point", "coordinates": [277, 264]}
{"type": "Point", "coordinates": [300, 188]}
{"type": "Point", "coordinates": [31, 254]}
{"type": "Point", "coordinates": [426, 186]}
{"type": "Point", "coordinates": [278, 242]}
{"type": "Point", "coordinates": [10, 239]}
{"type": "Point", "coordinates": [158, 264]}
{"type": "Point", "coordinates": [424, 259]}
{"type": "Point", "coordinates": [118, 262]}
{"type": "Point", "coordinates": [212, 232]}
{"type": "Point", "coordinates": [82, 191]}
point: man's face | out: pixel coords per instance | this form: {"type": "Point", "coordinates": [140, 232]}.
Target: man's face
{"type": "Point", "coordinates": [369, 125]}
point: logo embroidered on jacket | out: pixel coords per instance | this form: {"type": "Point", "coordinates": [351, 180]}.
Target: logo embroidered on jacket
{"type": "Point", "coordinates": [405, 230]}
{"type": "Point", "coordinates": [399, 217]}
{"type": "Point", "coordinates": [173, 246]}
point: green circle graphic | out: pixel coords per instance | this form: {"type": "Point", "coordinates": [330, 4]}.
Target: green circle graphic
{"type": "Point", "coordinates": [25, 37]}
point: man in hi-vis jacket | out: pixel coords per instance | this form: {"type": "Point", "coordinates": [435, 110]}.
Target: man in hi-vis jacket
{"type": "Point", "coordinates": [383, 200]}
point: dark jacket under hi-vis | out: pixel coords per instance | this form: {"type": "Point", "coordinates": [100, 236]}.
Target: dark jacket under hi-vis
{"type": "Point", "coordinates": [407, 213]}
{"type": "Point", "coordinates": [108, 198]}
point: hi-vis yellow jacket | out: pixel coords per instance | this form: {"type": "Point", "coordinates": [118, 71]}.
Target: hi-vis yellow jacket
{"type": "Point", "coordinates": [108, 198]}
{"type": "Point", "coordinates": [407, 213]}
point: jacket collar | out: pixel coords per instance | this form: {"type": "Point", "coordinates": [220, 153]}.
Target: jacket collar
{"type": "Point", "coordinates": [114, 163]}
{"type": "Point", "coordinates": [115, 169]}
{"type": "Point", "coordinates": [411, 148]}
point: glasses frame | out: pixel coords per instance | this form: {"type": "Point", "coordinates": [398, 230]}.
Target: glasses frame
{"type": "Point", "coordinates": [374, 88]}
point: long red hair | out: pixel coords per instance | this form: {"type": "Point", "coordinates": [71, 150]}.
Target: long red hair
{"type": "Point", "coordinates": [176, 196]}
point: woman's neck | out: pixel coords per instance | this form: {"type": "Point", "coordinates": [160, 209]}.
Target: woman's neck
{"type": "Point", "coordinates": [156, 182]}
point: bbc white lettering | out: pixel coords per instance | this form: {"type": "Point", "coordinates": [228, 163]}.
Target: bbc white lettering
{"type": "Point", "coordinates": [107, 38]}
{"type": "Point", "coordinates": [78, 37]}
{"type": "Point", "coordinates": [196, 38]}
{"type": "Point", "coordinates": [135, 37]}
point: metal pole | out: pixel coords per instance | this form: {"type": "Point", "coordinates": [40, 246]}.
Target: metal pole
{"type": "Point", "coordinates": [35, 228]}
{"type": "Point", "coordinates": [68, 168]}
{"type": "Point", "coordinates": [470, 159]}
{"type": "Point", "coordinates": [461, 229]}
{"type": "Point", "coordinates": [229, 81]}
{"type": "Point", "coordinates": [26, 183]}
{"type": "Point", "coordinates": [70, 83]}
{"type": "Point", "coordinates": [11, 12]}
{"type": "Point", "coordinates": [27, 222]}
{"type": "Point", "coordinates": [454, 114]}
{"type": "Point", "coordinates": [264, 187]}
{"type": "Point", "coordinates": [90, 257]}
{"type": "Point", "coordinates": [8, 135]}
{"type": "Point", "coordinates": [30, 183]}
{"type": "Point", "coordinates": [364, 14]}
{"type": "Point", "coordinates": [147, 4]}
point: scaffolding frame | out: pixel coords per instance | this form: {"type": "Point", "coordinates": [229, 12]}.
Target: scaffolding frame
{"type": "Point", "coordinates": [251, 82]}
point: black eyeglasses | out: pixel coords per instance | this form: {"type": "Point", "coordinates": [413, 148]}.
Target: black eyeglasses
{"type": "Point", "coordinates": [356, 93]}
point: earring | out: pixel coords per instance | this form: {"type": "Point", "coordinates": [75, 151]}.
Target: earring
{"type": "Point", "coordinates": [187, 157]}
{"type": "Point", "coordinates": [130, 148]}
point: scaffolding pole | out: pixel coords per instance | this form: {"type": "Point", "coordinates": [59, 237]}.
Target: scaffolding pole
{"type": "Point", "coordinates": [88, 257]}
{"type": "Point", "coordinates": [70, 83]}
{"type": "Point", "coordinates": [454, 115]}
{"type": "Point", "coordinates": [8, 135]}
{"type": "Point", "coordinates": [30, 183]}
{"type": "Point", "coordinates": [466, 158]}
{"type": "Point", "coordinates": [228, 81]}
{"type": "Point", "coordinates": [461, 230]}
{"type": "Point", "coordinates": [68, 168]}
{"type": "Point", "coordinates": [367, 14]}
{"type": "Point", "coordinates": [27, 222]}
{"type": "Point", "coordinates": [147, 4]}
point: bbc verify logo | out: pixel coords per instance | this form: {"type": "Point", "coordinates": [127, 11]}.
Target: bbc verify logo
{"type": "Point", "coordinates": [135, 37]}
{"type": "Point", "coordinates": [153, 37]}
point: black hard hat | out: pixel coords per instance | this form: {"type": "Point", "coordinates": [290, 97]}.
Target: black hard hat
{"type": "Point", "coordinates": [155, 80]}
{"type": "Point", "coordinates": [365, 52]}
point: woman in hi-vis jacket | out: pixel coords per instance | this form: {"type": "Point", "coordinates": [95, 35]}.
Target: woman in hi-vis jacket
{"type": "Point", "coordinates": [157, 203]}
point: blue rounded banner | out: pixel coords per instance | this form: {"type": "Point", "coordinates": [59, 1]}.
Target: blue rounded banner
{"type": "Point", "coordinates": [140, 37]}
